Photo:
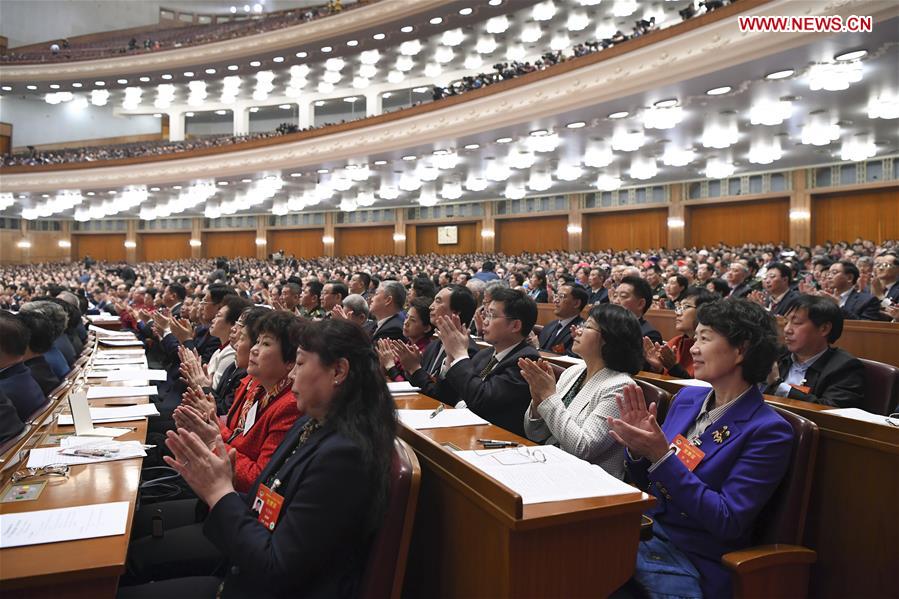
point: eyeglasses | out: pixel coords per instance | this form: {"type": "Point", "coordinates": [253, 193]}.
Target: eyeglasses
{"type": "Point", "coordinates": [48, 470]}
{"type": "Point", "coordinates": [893, 419]}
{"type": "Point", "coordinates": [884, 266]}
{"type": "Point", "coordinates": [493, 316]}
{"type": "Point", "coordinates": [520, 455]}
{"type": "Point", "coordinates": [582, 327]}
{"type": "Point", "coordinates": [681, 308]}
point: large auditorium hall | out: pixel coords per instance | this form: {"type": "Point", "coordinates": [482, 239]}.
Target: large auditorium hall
{"type": "Point", "coordinates": [473, 299]}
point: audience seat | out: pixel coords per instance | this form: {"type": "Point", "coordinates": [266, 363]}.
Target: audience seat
{"type": "Point", "coordinates": [662, 398]}
{"type": "Point", "coordinates": [881, 387]}
{"type": "Point", "coordinates": [778, 567]}
{"type": "Point", "coordinates": [386, 566]}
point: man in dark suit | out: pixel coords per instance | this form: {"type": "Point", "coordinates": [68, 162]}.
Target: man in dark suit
{"type": "Point", "coordinates": [40, 342]}
{"type": "Point", "coordinates": [428, 370]}
{"type": "Point", "coordinates": [15, 378]}
{"type": "Point", "coordinates": [386, 306]}
{"type": "Point", "coordinates": [490, 383]}
{"type": "Point", "coordinates": [886, 273]}
{"type": "Point", "coordinates": [598, 293]}
{"type": "Point", "coordinates": [780, 296]}
{"type": "Point", "coordinates": [10, 423]}
{"type": "Point", "coordinates": [812, 370]}
{"type": "Point", "coordinates": [857, 305]}
{"type": "Point", "coordinates": [737, 277]}
{"type": "Point", "coordinates": [556, 336]}
{"type": "Point", "coordinates": [635, 294]}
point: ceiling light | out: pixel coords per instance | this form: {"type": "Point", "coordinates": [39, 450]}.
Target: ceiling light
{"type": "Point", "coordinates": [352, 43]}
{"type": "Point", "coordinates": [379, 162]}
{"type": "Point", "coordinates": [404, 63]}
{"type": "Point", "coordinates": [568, 171]}
{"type": "Point", "coordinates": [233, 67]}
{"type": "Point", "coordinates": [560, 42]}
{"type": "Point", "coordinates": [475, 183]}
{"type": "Point", "coordinates": [210, 71]}
{"type": "Point", "coordinates": [486, 45]}
{"type": "Point", "coordinates": [662, 118]}
{"type": "Point", "coordinates": [544, 11]}
{"type": "Point", "coordinates": [514, 189]}
{"type": "Point", "coordinates": [497, 24]}
{"type": "Point", "coordinates": [495, 2]}
{"type": "Point", "coordinates": [643, 168]}
{"type": "Point", "coordinates": [436, 20]}
{"type": "Point", "coordinates": [254, 109]}
{"type": "Point", "coordinates": [627, 141]}
{"type": "Point", "coordinates": [539, 180]}
{"type": "Point", "coordinates": [325, 88]}
{"type": "Point", "coordinates": [6, 88]}
{"type": "Point", "coordinates": [322, 171]}
{"type": "Point", "coordinates": [515, 52]}
{"type": "Point", "coordinates": [605, 30]}
{"type": "Point", "coordinates": [410, 157]}
{"type": "Point", "coordinates": [624, 8]}
{"type": "Point", "coordinates": [820, 130]}
{"type": "Point", "coordinates": [576, 125]}
{"type": "Point", "coordinates": [100, 83]}
{"type": "Point", "coordinates": [410, 47]}
{"type": "Point", "coordinates": [370, 57]}
{"type": "Point", "coordinates": [465, 11]}
{"type": "Point", "coordinates": [720, 132]}
{"type": "Point", "coordinates": [503, 140]}
{"type": "Point", "coordinates": [326, 49]}
{"type": "Point", "coordinates": [718, 168]}
{"type": "Point", "coordinates": [530, 33]}
{"type": "Point", "coordinates": [666, 103]}
{"type": "Point", "coordinates": [675, 222]}
{"type": "Point", "coordinates": [675, 156]}
{"type": "Point", "coordinates": [765, 150]}
{"type": "Point", "coordinates": [76, 84]}
{"type": "Point", "coordinates": [834, 76]}
{"type": "Point", "coordinates": [31, 87]}
{"type": "Point", "coordinates": [473, 62]}
{"type": "Point", "coordinates": [145, 79]}
{"type": "Point", "coordinates": [451, 189]}
{"type": "Point", "coordinates": [158, 115]}
{"type": "Point", "coordinates": [858, 148]}
{"type": "Point", "coordinates": [598, 154]}
{"type": "Point", "coordinates": [854, 55]}
{"type": "Point", "coordinates": [189, 73]}
{"type": "Point", "coordinates": [577, 21]}
{"type": "Point", "coordinates": [884, 106]}
{"type": "Point", "coordinates": [166, 76]}
{"type": "Point", "coordinates": [718, 91]}
{"type": "Point", "coordinates": [407, 29]}
{"type": "Point", "coordinates": [221, 112]}
{"type": "Point", "coordinates": [301, 54]}
{"type": "Point", "coordinates": [409, 182]}
{"type": "Point", "coordinates": [54, 86]}
{"type": "Point", "coordinates": [452, 37]}
{"type": "Point", "coordinates": [253, 63]}
{"type": "Point", "coordinates": [547, 142]}
{"type": "Point", "coordinates": [395, 77]}
{"type": "Point", "coordinates": [433, 70]}
{"type": "Point", "coordinates": [770, 112]}
{"type": "Point", "coordinates": [420, 90]}
{"type": "Point", "coordinates": [779, 74]}
{"type": "Point", "coordinates": [367, 71]}
{"type": "Point", "coordinates": [496, 170]}
{"type": "Point", "coordinates": [378, 36]}
{"type": "Point", "coordinates": [619, 115]}
{"type": "Point", "coordinates": [278, 59]}
{"type": "Point", "coordinates": [444, 54]}
{"type": "Point", "coordinates": [521, 158]}
{"type": "Point", "coordinates": [472, 147]}
{"type": "Point", "coordinates": [121, 81]}
{"type": "Point", "coordinates": [334, 64]}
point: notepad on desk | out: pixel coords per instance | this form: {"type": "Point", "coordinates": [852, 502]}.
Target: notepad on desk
{"type": "Point", "coordinates": [101, 392]}
{"type": "Point", "coordinates": [689, 383]}
{"type": "Point", "coordinates": [858, 414]}
{"type": "Point", "coordinates": [402, 387]}
{"type": "Point", "coordinates": [120, 341]}
{"type": "Point", "coordinates": [546, 473]}
{"type": "Point", "coordinates": [101, 332]}
{"type": "Point", "coordinates": [76, 453]}
{"type": "Point", "coordinates": [136, 375]}
{"type": "Point", "coordinates": [422, 419]}
{"type": "Point", "coordinates": [63, 524]}
{"type": "Point", "coordinates": [122, 414]}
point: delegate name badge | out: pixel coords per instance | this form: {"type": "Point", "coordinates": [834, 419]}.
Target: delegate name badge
{"type": "Point", "coordinates": [268, 506]}
{"type": "Point", "coordinates": [687, 453]}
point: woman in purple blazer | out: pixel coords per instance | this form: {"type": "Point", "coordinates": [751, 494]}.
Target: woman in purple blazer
{"type": "Point", "coordinates": [715, 462]}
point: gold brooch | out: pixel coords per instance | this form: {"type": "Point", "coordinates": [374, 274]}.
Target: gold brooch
{"type": "Point", "coordinates": [720, 435]}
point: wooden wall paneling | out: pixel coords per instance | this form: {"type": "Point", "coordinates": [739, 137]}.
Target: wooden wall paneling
{"type": "Point", "coordinates": [301, 243]}
{"type": "Point", "coordinates": [426, 239]}
{"type": "Point", "coordinates": [163, 246]}
{"type": "Point", "coordinates": [536, 234]}
{"type": "Point", "coordinates": [627, 230]}
{"type": "Point", "coordinates": [231, 244]}
{"type": "Point", "coordinates": [736, 223]}
{"type": "Point", "coordinates": [872, 214]}
{"type": "Point", "coordinates": [44, 247]}
{"type": "Point", "coordinates": [99, 246]}
{"type": "Point", "coordinates": [363, 241]}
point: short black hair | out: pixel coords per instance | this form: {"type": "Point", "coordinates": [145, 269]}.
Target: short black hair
{"type": "Point", "coordinates": [702, 295]}
{"type": "Point", "coordinates": [41, 329]}
{"type": "Point", "coordinates": [682, 281]}
{"type": "Point", "coordinates": [641, 289]}
{"type": "Point", "coordinates": [179, 290]}
{"type": "Point", "coordinates": [295, 288]}
{"type": "Point", "coordinates": [424, 287]}
{"type": "Point", "coordinates": [218, 292]}
{"type": "Point", "coordinates": [517, 305]}
{"type": "Point", "coordinates": [821, 310]}
{"type": "Point", "coordinates": [622, 348]}
{"type": "Point", "coordinates": [14, 335]}
{"type": "Point", "coordinates": [422, 306]}
{"type": "Point", "coordinates": [784, 270]}
{"type": "Point", "coordinates": [315, 288]}
{"type": "Point", "coordinates": [488, 266]}
{"type": "Point", "coordinates": [251, 319]}
{"type": "Point", "coordinates": [283, 326]}
{"type": "Point", "coordinates": [744, 323]}
{"type": "Point", "coordinates": [579, 294]}
{"type": "Point", "coordinates": [462, 302]}
{"type": "Point", "coordinates": [720, 285]}
{"type": "Point", "coordinates": [235, 305]}
{"type": "Point", "coordinates": [366, 278]}
{"type": "Point", "coordinates": [338, 288]}
{"type": "Point", "coordinates": [519, 278]}
{"type": "Point", "coordinates": [850, 269]}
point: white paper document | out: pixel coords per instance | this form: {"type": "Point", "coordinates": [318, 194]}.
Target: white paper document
{"type": "Point", "coordinates": [122, 414]}
{"type": "Point", "coordinates": [100, 392]}
{"type": "Point", "coordinates": [93, 452]}
{"type": "Point", "coordinates": [421, 419]}
{"type": "Point", "coordinates": [120, 342]}
{"type": "Point", "coordinates": [136, 374]}
{"type": "Point", "coordinates": [562, 476]}
{"type": "Point", "coordinates": [566, 359]}
{"type": "Point", "coordinates": [402, 387]}
{"type": "Point", "coordinates": [109, 332]}
{"type": "Point", "coordinates": [118, 360]}
{"type": "Point", "coordinates": [103, 318]}
{"type": "Point", "coordinates": [858, 414]}
{"type": "Point", "coordinates": [104, 431]}
{"type": "Point", "coordinates": [688, 382]}
{"type": "Point", "coordinates": [121, 352]}
{"type": "Point", "coordinates": [63, 524]}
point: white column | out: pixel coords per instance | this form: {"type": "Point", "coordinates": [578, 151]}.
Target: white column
{"type": "Point", "coordinates": [176, 126]}
{"type": "Point", "coordinates": [373, 103]}
{"type": "Point", "coordinates": [241, 121]}
{"type": "Point", "coordinates": [304, 112]}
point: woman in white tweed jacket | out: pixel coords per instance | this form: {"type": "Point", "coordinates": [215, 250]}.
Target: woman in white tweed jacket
{"type": "Point", "coordinates": [572, 413]}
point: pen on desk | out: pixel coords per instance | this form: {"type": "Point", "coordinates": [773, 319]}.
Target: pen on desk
{"type": "Point", "coordinates": [437, 411]}
{"type": "Point", "coordinates": [497, 443]}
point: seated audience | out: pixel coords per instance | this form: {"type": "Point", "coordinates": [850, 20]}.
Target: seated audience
{"type": "Point", "coordinates": [10, 423]}
{"type": "Point", "coordinates": [39, 343]}
{"type": "Point", "coordinates": [779, 297]}
{"type": "Point", "coordinates": [56, 356]}
{"type": "Point", "coordinates": [572, 413]}
{"type": "Point", "coordinates": [331, 471]}
{"type": "Point", "coordinates": [596, 287]}
{"type": "Point", "coordinates": [886, 274]}
{"type": "Point", "coordinates": [417, 329]}
{"type": "Point", "coordinates": [738, 279]}
{"type": "Point", "coordinates": [537, 290]}
{"type": "Point", "coordinates": [675, 287]}
{"type": "Point", "coordinates": [15, 377]}
{"type": "Point", "coordinates": [635, 295]}
{"type": "Point", "coordinates": [310, 301]}
{"type": "Point", "coordinates": [556, 336]}
{"type": "Point", "coordinates": [812, 369]}
{"type": "Point", "coordinates": [333, 294]}
{"type": "Point", "coordinates": [386, 307]}
{"type": "Point", "coordinates": [674, 358]}
{"type": "Point", "coordinates": [490, 383]}
{"type": "Point", "coordinates": [842, 277]}
{"type": "Point", "coordinates": [740, 447]}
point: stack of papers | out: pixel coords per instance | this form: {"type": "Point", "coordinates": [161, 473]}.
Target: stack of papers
{"type": "Point", "coordinates": [402, 387]}
{"type": "Point", "coordinates": [857, 414]}
{"type": "Point", "coordinates": [560, 477]}
{"type": "Point", "coordinates": [421, 419]}
{"type": "Point", "coordinates": [126, 373]}
{"type": "Point", "coordinates": [103, 318]}
{"type": "Point", "coordinates": [122, 414]}
{"type": "Point", "coordinates": [79, 452]}
{"type": "Point", "coordinates": [109, 332]}
{"type": "Point", "coordinates": [105, 392]}
{"type": "Point", "coordinates": [63, 524]}
{"type": "Point", "coordinates": [120, 341]}
{"type": "Point", "coordinates": [111, 360]}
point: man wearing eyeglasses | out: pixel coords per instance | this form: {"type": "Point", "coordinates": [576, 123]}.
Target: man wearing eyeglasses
{"type": "Point", "coordinates": [556, 336]}
{"type": "Point", "coordinates": [490, 383]}
{"type": "Point", "coordinates": [886, 276]}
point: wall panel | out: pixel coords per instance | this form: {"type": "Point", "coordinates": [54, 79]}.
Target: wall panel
{"type": "Point", "coordinates": [870, 215]}
{"type": "Point", "coordinates": [231, 244]}
{"type": "Point", "coordinates": [626, 230]}
{"type": "Point", "coordinates": [302, 243]}
{"type": "Point", "coordinates": [736, 223]}
{"type": "Point", "coordinates": [538, 234]}
{"type": "Point", "coordinates": [99, 246]}
{"type": "Point", "coordinates": [44, 247]}
{"type": "Point", "coordinates": [163, 246]}
{"type": "Point", "coordinates": [426, 239]}
{"type": "Point", "coordinates": [363, 241]}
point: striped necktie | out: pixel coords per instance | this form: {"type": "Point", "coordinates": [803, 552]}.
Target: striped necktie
{"type": "Point", "coordinates": [493, 362]}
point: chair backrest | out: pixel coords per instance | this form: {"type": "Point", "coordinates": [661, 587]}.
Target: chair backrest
{"type": "Point", "coordinates": [39, 410]}
{"type": "Point", "coordinates": [386, 565]}
{"type": "Point", "coordinates": [651, 394]}
{"type": "Point", "coordinates": [782, 520]}
{"type": "Point", "coordinates": [881, 387]}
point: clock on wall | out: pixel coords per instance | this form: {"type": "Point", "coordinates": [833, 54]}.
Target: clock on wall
{"type": "Point", "coordinates": [447, 235]}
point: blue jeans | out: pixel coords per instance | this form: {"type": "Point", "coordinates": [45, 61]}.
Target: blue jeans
{"type": "Point", "coordinates": [664, 571]}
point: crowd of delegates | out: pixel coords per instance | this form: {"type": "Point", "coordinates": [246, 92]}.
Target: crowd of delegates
{"type": "Point", "coordinates": [35, 157]}
{"type": "Point", "coordinates": [276, 388]}
{"type": "Point", "coordinates": [173, 37]}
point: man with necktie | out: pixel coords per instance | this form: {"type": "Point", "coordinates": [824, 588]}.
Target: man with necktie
{"type": "Point", "coordinates": [556, 336]}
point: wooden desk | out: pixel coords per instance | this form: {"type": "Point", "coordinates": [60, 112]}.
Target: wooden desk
{"type": "Point", "coordinates": [88, 568]}
{"type": "Point", "coordinates": [473, 537]}
{"type": "Point", "coordinates": [852, 509]}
